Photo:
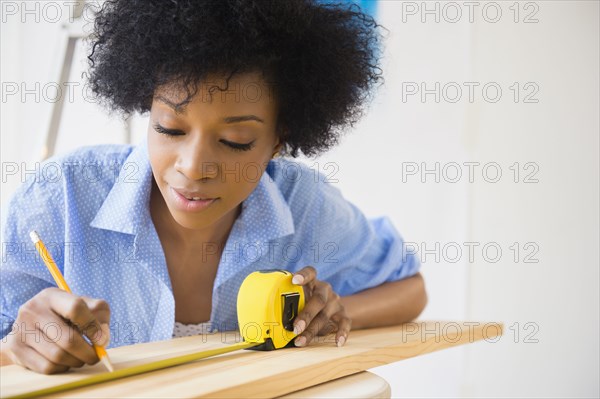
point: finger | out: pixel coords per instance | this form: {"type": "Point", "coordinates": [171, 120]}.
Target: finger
{"type": "Point", "coordinates": [101, 311]}
{"type": "Point", "coordinates": [313, 307]}
{"type": "Point", "coordinates": [344, 325]}
{"type": "Point", "coordinates": [77, 323]}
{"type": "Point", "coordinates": [307, 336]}
{"type": "Point", "coordinates": [304, 276]}
{"type": "Point", "coordinates": [31, 359]}
{"type": "Point", "coordinates": [70, 340]}
{"type": "Point", "coordinates": [99, 308]}
{"type": "Point", "coordinates": [330, 327]}
{"type": "Point", "coordinates": [320, 321]}
{"type": "Point", "coordinates": [56, 328]}
{"type": "Point", "coordinates": [75, 309]}
{"type": "Point", "coordinates": [49, 348]}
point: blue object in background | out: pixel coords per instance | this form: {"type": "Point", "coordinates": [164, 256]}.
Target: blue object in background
{"type": "Point", "coordinates": [368, 6]}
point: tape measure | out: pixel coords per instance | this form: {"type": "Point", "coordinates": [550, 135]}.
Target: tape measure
{"type": "Point", "coordinates": [267, 305]}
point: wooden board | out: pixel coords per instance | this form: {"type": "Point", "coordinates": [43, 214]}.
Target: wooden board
{"type": "Point", "coordinates": [361, 385]}
{"type": "Point", "coordinates": [250, 373]}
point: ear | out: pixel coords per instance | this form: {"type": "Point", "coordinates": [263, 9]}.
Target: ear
{"type": "Point", "coordinates": [278, 144]}
{"type": "Point", "coordinates": [281, 135]}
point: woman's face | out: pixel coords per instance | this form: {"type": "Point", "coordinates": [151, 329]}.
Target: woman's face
{"type": "Point", "coordinates": [216, 148]}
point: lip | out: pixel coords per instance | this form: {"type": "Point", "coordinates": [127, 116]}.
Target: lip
{"type": "Point", "coordinates": [186, 205]}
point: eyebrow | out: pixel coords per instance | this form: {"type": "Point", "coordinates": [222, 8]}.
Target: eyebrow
{"type": "Point", "coordinates": [242, 118]}
{"type": "Point", "coordinates": [180, 109]}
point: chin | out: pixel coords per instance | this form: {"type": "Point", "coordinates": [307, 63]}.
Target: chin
{"type": "Point", "coordinates": [193, 221]}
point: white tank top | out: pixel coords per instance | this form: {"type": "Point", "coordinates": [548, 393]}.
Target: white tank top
{"type": "Point", "coordinates": [186, 330]}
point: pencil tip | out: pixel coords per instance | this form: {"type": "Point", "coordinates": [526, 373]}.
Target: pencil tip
{"type": "Point", "coordinates": [107, 364]}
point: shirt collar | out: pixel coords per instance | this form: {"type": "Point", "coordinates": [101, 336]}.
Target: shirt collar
{"type": "Point", "coordinates": [266, 214]}
{"type": "Point", "coordinates": [127, 205]}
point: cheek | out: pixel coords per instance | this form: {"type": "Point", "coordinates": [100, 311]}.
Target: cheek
{"type": "Point", "coordinates": [158, 156]}
{"type": "Point", "coordinates": [251, 174]}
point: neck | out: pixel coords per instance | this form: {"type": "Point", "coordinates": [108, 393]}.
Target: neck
{"type": "Point", "coordinates": [188, 239]}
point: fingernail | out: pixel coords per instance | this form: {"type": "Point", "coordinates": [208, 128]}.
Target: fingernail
{"type": "Point", "coordinates": [299, 327]}
{"type": "Point", "coordinates": [105, 334]}
{"type": "Point", "coordinates": [300, 341]}
{"type": "Point", "coordinates": [341, 341]}
{"type": "Point", "coordinates": [297, 279]}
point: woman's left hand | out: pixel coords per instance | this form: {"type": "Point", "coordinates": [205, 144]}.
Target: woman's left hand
{"type": "Point", "coordinates": [323, 311]}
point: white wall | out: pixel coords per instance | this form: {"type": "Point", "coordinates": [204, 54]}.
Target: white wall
{"type": "Point", "coordinates": [425, 213]}
{"type": "Point", "coordinates": [559, 214]}
{"type": "Point", "coordinates": [559, 294]}
{"type": "Point", "coordinates": [33, 43]}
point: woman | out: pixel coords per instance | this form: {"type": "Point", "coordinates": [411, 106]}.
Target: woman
{"type": "Point", "coordinates": [156, 239]}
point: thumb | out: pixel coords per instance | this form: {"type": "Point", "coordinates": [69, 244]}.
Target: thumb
{"type": "Point", "coordinates": [98, 331]}
{"type": "Point", "coordinates": [104, 338]}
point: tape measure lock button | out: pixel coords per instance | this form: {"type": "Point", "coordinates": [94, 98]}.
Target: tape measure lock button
{"type": "Point", "coordinates": [290, 310]}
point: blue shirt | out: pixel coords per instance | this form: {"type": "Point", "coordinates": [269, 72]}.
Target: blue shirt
{"type": "Point", "coordinates": [91, 208]}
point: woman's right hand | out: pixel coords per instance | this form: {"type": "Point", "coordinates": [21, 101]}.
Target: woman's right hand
{"type": "Point", "coordinates": [48, 334]}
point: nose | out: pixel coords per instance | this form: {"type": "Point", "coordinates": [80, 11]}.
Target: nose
{"type": "Point", "coordinates": [196, 161]}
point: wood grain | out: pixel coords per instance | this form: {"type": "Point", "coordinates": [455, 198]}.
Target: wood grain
{"type": "Point", "coordinates": [250, 373]}
{"type": "Point", "coordinates": [356, 386]}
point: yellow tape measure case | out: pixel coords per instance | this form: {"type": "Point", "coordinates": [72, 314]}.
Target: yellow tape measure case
{"type": "Point", "coordinates": [267, 305]}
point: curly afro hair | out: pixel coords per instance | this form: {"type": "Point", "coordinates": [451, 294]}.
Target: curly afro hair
{"type": "Point", "coordinates": [322, 57]}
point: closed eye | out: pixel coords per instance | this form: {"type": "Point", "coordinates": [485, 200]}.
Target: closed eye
{"type": "Point", "coordinates": [168, 132]}
{"type": "Point", "coordinates": [238, 146]}
{"type": "Point", "coordinates": [234, 146]}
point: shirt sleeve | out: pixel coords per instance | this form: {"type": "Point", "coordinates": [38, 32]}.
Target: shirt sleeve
{"type": "Point", "coordinates": [357, 252]}
{"type": "Point", "coordinates": [36, 205]}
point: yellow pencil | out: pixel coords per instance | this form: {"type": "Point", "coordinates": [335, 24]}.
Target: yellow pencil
{"type": "Point", "coordinates": [62, 284]}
